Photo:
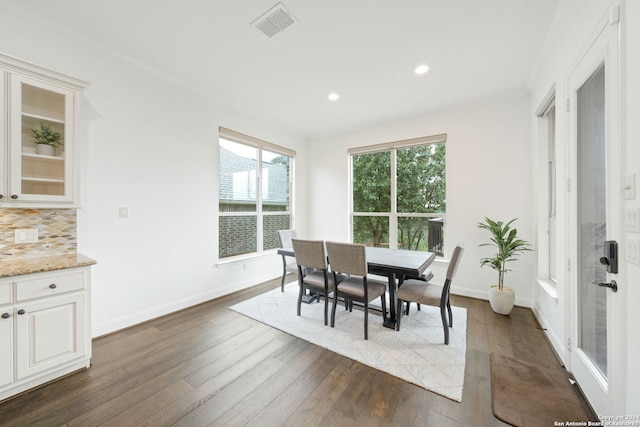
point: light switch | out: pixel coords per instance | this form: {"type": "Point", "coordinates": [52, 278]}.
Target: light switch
{"type": "Point", "coordinates": [26, 235]}
{"type": "Point", "coordinates": [123, 212]}
{"type": "Point", "coordinates": [632, 220]}
{"type": "Point", "coordinates": [633, 251]}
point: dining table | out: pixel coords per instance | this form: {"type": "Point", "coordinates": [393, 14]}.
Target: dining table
{"type": "Point", "coordinates": [395, 264]}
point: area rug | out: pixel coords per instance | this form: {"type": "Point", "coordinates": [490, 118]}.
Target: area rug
{"type": "Point", "coordinates": [416, 353]}
{"type": "Point", "coordinates": [524, 394]}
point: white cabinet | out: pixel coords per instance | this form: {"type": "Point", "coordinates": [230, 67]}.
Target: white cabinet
{"type": "Point", "coordinates": [6, 334]}
{"type": "Point", "coordinates": [36, 99]}
{"type": "Point", "coordinates": [47, 328]}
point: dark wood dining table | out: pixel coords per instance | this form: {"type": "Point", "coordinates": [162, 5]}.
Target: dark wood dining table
{"type": "Point", "coordinates": [395, 264]}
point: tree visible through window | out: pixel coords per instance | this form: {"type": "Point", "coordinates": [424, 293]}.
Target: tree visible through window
{"type": "Point", "coordinates": [254, 197]}
{"type": "Point", "coordinates": [399, 197]}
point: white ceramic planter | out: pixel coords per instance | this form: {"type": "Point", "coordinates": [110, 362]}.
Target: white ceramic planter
{"type": "Point", "coordinates": [502, 301]}
{"type": "Point", "coordinates": [45, 150]}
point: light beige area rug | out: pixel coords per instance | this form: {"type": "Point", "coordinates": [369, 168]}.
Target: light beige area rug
{"type": "Point", "coordinates": [416, 353]}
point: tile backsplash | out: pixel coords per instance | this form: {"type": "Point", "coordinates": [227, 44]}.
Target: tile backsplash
{"type": "Point", "coordinates": [57, 232]}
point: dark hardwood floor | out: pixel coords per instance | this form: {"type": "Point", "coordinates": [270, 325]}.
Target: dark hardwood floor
{"type": "Point", "coordinates": [208, 365]}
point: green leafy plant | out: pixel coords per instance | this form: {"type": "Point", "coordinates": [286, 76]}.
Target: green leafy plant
{"type": "Point", "coordinates": [507, 243]}
{"type": "Point", "coordinates": [46, 135]}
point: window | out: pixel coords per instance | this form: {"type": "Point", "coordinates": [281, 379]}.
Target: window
{"type": "Point", "coordinates": [399, 194]}
{"type": "Point", "coordinates": [547, 218]}
{"type": "Point", "coordinates": [254, 194]}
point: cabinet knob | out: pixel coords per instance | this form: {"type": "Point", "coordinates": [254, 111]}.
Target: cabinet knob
{"type": "Point", "coordinates": [5, 315]}
{"type": "Point", "coordinates": [21, 311]}
{"type": "Point", "coordinates": [1, 196]}
{"type": "Point", "coordinates": [14, 196]}
{"type": "Point", "coordinates": [52, 286]}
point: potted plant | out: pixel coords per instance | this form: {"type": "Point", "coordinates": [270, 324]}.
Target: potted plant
{"type": "Point", "coordinates": [46, 139]}
{"type": "Point", "coordinates": [505, 240]}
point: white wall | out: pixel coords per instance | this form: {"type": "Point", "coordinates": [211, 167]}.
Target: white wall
{"type": "Point", "coordinates": [575, 22]}
{"type": "Point", "coordinates": [148, 144]}
{"type": "Point", "coordinates": [488, 174]}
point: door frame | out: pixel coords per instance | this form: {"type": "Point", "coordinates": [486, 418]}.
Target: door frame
{"type": "Point", "coordinates": [604, 395]}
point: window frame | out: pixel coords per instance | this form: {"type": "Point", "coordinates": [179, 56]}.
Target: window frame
{"type": "Point", "coordinates": [393, 215]}
{"type": "Point", "coordinates": [548, 267]}
{"type": "Point", "coordinates": [260, 146]}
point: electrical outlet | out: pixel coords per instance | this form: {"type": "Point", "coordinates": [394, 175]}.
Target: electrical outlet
{"type": "Point", "coordinates": [26, 235]}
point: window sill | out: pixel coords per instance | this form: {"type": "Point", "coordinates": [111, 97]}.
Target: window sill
{"type": "Point", "coordinates": [549, 287]}
{"type": "Point", "coordinates": [225, 262]}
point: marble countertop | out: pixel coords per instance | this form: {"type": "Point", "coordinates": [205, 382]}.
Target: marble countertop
{"type": "Point", "coordinates": [9, 267]}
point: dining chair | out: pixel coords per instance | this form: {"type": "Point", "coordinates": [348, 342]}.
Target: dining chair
{"type": "Point", "coordinates": [425, 277]}
{"type": "Point", "coordinates": [350, 259]}
{"type": "Point", "coordinates": [288, 266]}
{"type": "Point", "coordinates": [414, 290]}
{"type": "Point", "coordinates": [313, 271]}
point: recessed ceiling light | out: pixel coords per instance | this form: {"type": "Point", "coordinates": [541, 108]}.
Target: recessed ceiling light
{"type": "Point", "coordinates": [421, 69]}
{"type": "Point", "coordinates": [334, 96]}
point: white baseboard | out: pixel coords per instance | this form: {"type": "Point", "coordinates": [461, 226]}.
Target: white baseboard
{"type": "Point", "coordinates": [484, 295]}
{"type": "Point", "coordinates": [104, 328]}
{"type": "Point", "coordinates": [556, 343]}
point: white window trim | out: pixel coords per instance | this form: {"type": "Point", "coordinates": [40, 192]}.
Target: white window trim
{"type": "Point", "coordinates": [544, 280]}
{"type": "Point", "coordinates": [393, 215]}
{"type": "Point", "coordinates": [260, 145]}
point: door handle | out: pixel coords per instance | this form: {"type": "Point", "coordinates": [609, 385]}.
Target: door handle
{"type": "Point", "coordinates": [613, 285]}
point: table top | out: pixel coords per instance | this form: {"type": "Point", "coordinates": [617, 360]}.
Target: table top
{"type": "Point", "coordinates": [385, 261]}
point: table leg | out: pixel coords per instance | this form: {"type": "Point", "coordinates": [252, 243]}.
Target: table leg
{"type": "Point", "coordinates": [390, 321]}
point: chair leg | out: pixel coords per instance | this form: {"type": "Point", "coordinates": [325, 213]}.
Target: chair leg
{"type": "Point", "coordinates": [398, 314]}
{"type": "Point", "coordinates": [366, 320]}
{"type": "Point", "coordinates": [406, 311]}
{"type": "Point", "coordinates": [443, 314]}
{"type": "Point", "coordinates": [418, 304]}
{"type": "Point", "coordinates": [300, 298]}
{"type": "Point", "coordinates": [450, 314]}
{"type": "Point", "coordinates": [333, 308]}
{"type": "Point", "coordinates": [284, 274]}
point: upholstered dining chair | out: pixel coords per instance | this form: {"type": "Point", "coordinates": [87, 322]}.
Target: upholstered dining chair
{"type": "Point", "coordinates": [427, 293]}
{"type": "Point", "coordinates": [288, 265]}
{"type": "Point", "coordinates": [351, 259]}
{"type": "Point", "coordinates": [425, 277]}
{"type": "Point", "coordinates": [313, 271]}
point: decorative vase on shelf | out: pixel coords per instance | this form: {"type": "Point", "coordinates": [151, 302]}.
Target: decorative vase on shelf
{"type": "Point", "coordinates": [45, 150]}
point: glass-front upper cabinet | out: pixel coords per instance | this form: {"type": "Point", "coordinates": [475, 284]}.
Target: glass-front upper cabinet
{"type": "Point", "coordinates": [41, 144]}
{"type": "Point", "coordinates": [39, 168]}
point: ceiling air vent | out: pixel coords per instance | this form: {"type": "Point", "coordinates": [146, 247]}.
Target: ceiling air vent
{"type": "Point", "coordinates": [275, 20]}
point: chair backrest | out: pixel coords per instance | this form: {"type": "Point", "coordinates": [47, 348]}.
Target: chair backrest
{"type": "Point", "coordinates": [285, 236]}
{"type": "Point", "coordinates": [347, 258]}
{"type": "Point", "coordinates": [310, 253]}
{"type": "Point", "coordinates": [455, 261]}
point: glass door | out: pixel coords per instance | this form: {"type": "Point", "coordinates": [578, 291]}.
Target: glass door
{"type": "Point", "coordinates": [41, 143]}
{"type": "Point", "coordinates": [592, 220]}
{"type": "Point", "coordinates": [594, 311]}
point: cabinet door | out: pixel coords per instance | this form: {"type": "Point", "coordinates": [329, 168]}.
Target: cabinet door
{"type": "Point", "coordinates": [6, 348]}
{"type": "Point", "coordinates": [49, 334]}
{"type": "Point", "coordinates": [35, 175]}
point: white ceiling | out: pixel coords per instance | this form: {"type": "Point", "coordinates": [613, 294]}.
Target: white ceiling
{"type": "Point", "coordinates": [366, 50]}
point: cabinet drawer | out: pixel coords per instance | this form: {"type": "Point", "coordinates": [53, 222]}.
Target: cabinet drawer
{"type": "Point", "coordinates": [52, 284]}
{"type": "Point", "coordinates": [5, 293]}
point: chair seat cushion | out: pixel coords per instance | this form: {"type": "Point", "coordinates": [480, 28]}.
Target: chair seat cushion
{"type": "Point", "coordinates": [420, 292]}
{"type": "Point", "coordinates": [292, 267]}
{"type": "Point", "coordinates": [354, 286]}
{"type": "Point", "coordinates": [316, 279]}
